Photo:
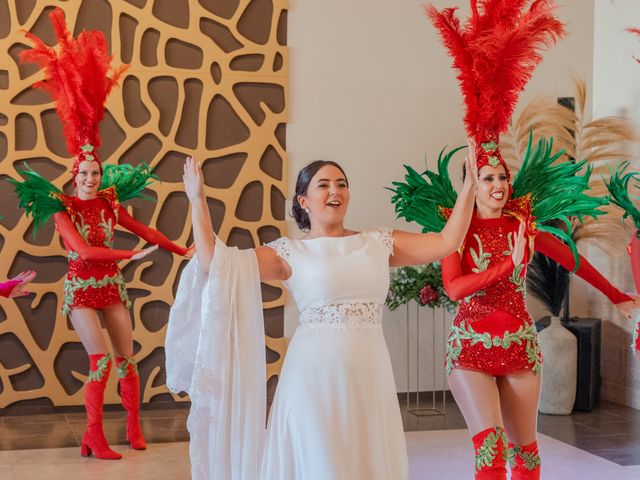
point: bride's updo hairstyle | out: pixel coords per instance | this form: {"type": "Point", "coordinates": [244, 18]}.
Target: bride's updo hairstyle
{"type": "Point", "coordinates": [302, 185]}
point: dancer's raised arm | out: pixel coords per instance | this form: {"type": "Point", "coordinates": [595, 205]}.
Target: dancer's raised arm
{"type": "Point", "coordinates": [420, 248]}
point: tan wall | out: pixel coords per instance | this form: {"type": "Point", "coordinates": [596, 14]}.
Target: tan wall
{"type": "Point", "coordinates": [208, 78]}
{"type": "Point", "coordinates": [372, 88]}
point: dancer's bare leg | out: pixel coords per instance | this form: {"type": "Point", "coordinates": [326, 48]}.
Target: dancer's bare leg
{"type": "Point", "coordinates": [86, 323]}
{"type": "Point", "coordinates": [118, 322]}
{"type": "Point", "coordinates": [477, 395]}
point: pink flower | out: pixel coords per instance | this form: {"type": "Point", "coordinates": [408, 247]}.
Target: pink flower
{"type": "Point", "coordinates": [428, 295]}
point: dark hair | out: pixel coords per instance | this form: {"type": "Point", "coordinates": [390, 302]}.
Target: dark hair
{"type": "Point", "coordinates": [302, 185]}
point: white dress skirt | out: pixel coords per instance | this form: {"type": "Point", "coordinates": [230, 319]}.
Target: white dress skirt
{"type": "Point", "coordinates": [335, 415]}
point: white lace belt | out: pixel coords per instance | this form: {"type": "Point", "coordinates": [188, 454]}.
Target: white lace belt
{"type": "Point", "coordinates": [343, 317]}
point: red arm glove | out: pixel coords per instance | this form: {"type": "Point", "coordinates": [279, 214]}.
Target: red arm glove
{"type": "Point", "coordinates": [634, 251]}
{"type": "Point", "coordinates": [6, 287]}
{"type": "Point", "coordinates": [74, 242]}
{"type": "Point", "coordinates": [149, 234]}
{"type": "Point", "coordinates": [553, 248]}
{"type": "Point", "coordinates": [458, 285]}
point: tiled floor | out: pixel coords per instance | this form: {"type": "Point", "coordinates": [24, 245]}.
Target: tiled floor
{"type": "Point", "coordinates": [447, 455]}
{"type": "Point", "coordinates": [57, 430]}
{"type": "Point", "coordinates": [610, 431]}
{"type": "Point", "coordinates": [601, 444]}
{"type": "Point", "coordinates": [433, 455]}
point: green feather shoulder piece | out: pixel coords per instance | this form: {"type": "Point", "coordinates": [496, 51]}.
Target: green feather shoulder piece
{"type": "Point", "coordinates": [618, 187]}
{"type": "Point", "coordinates": [129, 181]}
{"type": "Point", "coordinates": [426, 198]}
{"type": "Point", "coordinates": [553, 191]}
{"type": "Point", "coordinates": [38, 196]}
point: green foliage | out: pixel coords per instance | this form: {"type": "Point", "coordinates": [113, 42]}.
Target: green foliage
{"type": "Point", "coordinates": [420, 197]}
{"type": "Point", "coordinates": [408, 282]}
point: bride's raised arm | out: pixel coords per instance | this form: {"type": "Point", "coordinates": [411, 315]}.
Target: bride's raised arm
{"type": "Point", "coordinates": [271, 266]}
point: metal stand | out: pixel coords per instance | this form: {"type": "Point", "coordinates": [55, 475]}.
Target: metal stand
{"type": "Point", "coordinates": [417, 409]}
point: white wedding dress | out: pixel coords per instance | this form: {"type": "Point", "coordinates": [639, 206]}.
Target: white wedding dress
{"type": "Point", "coordinates": [335, 414]}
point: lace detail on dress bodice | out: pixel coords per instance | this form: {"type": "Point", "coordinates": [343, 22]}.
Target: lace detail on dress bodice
{"type": "Point", "coordinates": [386, 237]}
{"type": "Point", "coordinates": [282, 247]}
{"type": "Point", "coordinates": [352, 316]}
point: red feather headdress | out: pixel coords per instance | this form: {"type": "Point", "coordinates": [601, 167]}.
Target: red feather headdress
{"type": "Point", "coordinates": [495, 53]}
{"type": "Point", "coordinates": [77, 78]}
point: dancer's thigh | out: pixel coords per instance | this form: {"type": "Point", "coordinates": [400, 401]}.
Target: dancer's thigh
{"type": "Point", "coordinates": [476, 394]}
{"type": "Point", "coordinates": [519, 397]}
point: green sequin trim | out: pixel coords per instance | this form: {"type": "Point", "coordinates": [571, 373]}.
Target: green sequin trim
{"type": "Point", "coordinates": [479, 293]}
{"type": "Point", "coordinates": [76, 283]}
{"type": "Point", "coordinates": [83, 228]}
{"type": "Point", "coordinates": [87, 147]}
{"type": "Point", "coordinates": [508, 252]}
{"type": "Point", "coordinates": [102, 364]}
{"type": "Point", "coordinates": [489, 146]}
{"type": "Point", "coordinates": [73, 255]}
{"type": "Point", "coordinates": [524, 335]}
{"type": "Point", "coordinates": [481, 258]}
{"type": "Point", "coordinates": [107, 229]}
{"type": "Point", "coordinates": [531, 461]}
{"type": "Point", "coordinates": [487, 452]}
{"type": "Point", "coordinates": [518, 280]}
{"type": "Point", "coordinates": [123, 368]}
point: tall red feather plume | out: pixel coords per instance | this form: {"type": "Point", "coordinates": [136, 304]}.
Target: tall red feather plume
{"type": "Point", "coordinates": [495, 53]}
{"type": "Point", "coordinates": [77, 78]}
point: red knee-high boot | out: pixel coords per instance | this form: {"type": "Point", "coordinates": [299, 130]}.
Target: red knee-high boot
{"type": "Point", "coordinates": [490, 451]}
{"type": "Point", "coordinates": [130, 394]}
{"type": "Point", "coordinates": [524, 461]}
{"type": "Point", "coordinates": [93, 440]}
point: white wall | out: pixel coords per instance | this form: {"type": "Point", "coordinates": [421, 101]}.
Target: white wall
{"type": "Point", "coordinates": [372, 88]}
{"type": "Point", "coordinates": [616, 92]}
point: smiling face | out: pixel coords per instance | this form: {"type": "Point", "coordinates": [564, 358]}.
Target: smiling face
{"type": "Point", "coordinates": [327, 197]}
{"type": "Point", "coordinates": [88, 179]}
{"type": "Point", "coordinates": [492, 191]}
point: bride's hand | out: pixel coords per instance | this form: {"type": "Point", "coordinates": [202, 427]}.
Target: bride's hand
{"type": "Point", "coordinates": [193, 180]}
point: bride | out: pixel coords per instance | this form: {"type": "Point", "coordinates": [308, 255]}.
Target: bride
{"type": "Point", "coordinates": [335, 414]}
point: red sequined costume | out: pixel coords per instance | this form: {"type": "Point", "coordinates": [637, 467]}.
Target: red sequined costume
{"type": "Point", "coordinates": [87, 229]}
{"type": "Point", "coordinates": [79, 76]}
{"type": "Point", "coordinates": [493, 332]}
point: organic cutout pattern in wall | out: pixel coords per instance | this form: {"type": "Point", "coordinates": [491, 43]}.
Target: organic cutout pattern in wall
{"type": "Point", "coordinates": [208, 78]}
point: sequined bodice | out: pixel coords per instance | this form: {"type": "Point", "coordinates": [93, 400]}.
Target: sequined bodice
{"type": "Point", "coordinates": [339, 283]}
{"type": "Point", "coordinates": [487, 242]}
{"type": "Point", "coordinates": [95, 221]}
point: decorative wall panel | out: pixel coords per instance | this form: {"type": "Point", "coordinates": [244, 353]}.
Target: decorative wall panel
{"type": "Point", "coordinates": [208, 78]}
